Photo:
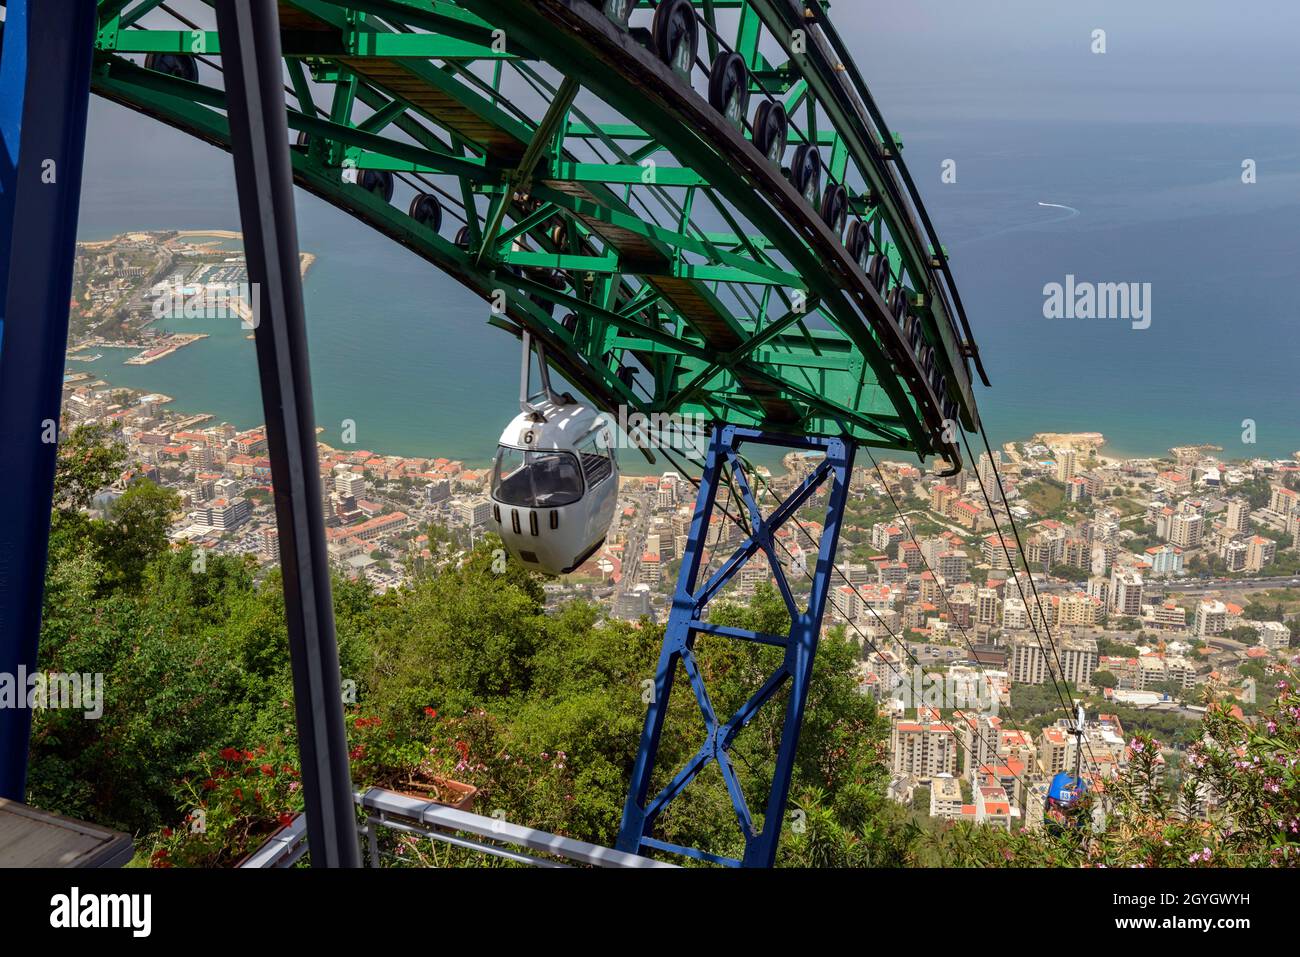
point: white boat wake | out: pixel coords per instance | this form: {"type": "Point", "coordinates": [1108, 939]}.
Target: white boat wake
{"type": "Point", "coordinates": [1070, 209]}
{"type": "Point", "coordinates": [1069, 213]}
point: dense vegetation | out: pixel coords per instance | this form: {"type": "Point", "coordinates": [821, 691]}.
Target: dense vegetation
{"type": "Point", "coordinates": [462, 676]}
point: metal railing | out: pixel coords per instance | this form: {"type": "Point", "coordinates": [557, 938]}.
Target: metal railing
{"type": "Point", "coordinates": [450, 826]}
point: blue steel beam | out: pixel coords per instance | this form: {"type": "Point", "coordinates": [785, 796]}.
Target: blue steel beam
{"type": "Point", "coordinates": [686, 619]}
{"type": "Point", "coordinates": [44, 92]}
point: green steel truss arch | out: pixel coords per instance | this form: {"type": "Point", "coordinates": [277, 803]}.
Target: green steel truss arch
{"type": "Point", "coordinates": [596, 197]}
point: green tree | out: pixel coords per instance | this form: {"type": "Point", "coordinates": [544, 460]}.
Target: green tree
{"type": "Point", "coordinates": [91, 457]}
{"type": "Point", "coordinates": [136, 529]}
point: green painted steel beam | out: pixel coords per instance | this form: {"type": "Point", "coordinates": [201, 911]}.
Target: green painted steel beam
{"type": "Point", "coordinates": [669, 128]}
{"type": "Point", "coordinates": [760, 214]}
{"type": "Point", "coordinates": [620, 174]}
{"type": "Point", "coordinates": [534, 260]}
{"type": "Point", "coordinates": [670, 238]}
{"type": "Point", "coordinates": [420, 46]}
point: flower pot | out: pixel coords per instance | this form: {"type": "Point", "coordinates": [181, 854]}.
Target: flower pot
{"type": "Point", "coordinates": [440, 790]}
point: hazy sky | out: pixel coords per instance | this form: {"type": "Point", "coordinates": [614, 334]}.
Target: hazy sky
{"type": "Point", "coordinates": [1189, 60]}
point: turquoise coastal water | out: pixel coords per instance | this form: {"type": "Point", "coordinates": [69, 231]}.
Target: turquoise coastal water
{"type": "Point", "coordinates": [416, 377]}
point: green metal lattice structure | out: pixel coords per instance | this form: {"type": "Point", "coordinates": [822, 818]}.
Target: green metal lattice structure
{"type": "Point", "coordinates": [592, 193]}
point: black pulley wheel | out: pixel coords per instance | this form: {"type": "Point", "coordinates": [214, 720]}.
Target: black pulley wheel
{"type": "Point", "coordinates": [617, 10]}
{"type": "Point", "coordinates": [835, 208]}
{"type": "Point", "coordinates": [771, 130]}
{"type": "Point", "coordinates": [426, 210]}
{"type": "Point", "coordinates": [879, 272]}
{"type": "Point", "coordinates": [806, 172]}
{"type": "Point", "coordinates": [377, 181]}
{"type": "Point", "coordinates": [857, 243]}
{"type": "Point", "coordinates": [173, 64]}
{"type": "Point", "coordinates": [729, 87]}
{"type": "Point", "coordinates": [677, 34]}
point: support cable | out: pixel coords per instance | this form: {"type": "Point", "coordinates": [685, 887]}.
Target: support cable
{"type": "Point", "coordinates": [1020, 548]}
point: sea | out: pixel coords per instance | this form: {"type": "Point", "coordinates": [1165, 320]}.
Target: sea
{"type": "Point", "coordinates": [407, 355]}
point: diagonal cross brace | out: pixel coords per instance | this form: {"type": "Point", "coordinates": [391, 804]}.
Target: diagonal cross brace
{"type": "Point", "coordinates": [686, 620]}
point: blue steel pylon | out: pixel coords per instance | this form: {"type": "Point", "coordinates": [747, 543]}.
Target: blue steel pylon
{"type": "Point", "coordinates": [45, 67]}
{"type": "Point", "coordinates": [687, 619]}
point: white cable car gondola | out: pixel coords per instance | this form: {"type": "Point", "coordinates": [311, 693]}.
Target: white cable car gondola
{"type": "Point", "coordinates": [555, 478]}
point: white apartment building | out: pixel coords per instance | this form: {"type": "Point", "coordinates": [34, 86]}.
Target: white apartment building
{"type": "Point", "coordinates": [1126, 592]}
{"type": "Point", "coordinates": [1211, 617]}
{"type": "Point", "coordinates": [1030, 662]}
{"type": "Point", "coordinates": [923, 749]}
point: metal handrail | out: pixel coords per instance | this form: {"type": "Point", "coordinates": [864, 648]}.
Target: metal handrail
{"type": "Point", "coordinates": [447, 825]}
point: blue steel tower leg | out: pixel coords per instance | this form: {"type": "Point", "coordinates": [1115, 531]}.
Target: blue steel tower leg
{"type": "Point", "coordinates": [799, 655]}
{"type": "Point", "coordinates": [689, 617]}
{"type": "Point", "coordinates": [677, 638]}
{"type": "Point", "coordinates": [44, 94]}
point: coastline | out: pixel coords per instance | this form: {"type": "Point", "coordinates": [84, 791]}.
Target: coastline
{"type": "Point", "coordinates": [388, 395]}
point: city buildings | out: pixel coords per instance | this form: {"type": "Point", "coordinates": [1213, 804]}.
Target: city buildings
{"type": "Point", "coordinates": [1260, 551]}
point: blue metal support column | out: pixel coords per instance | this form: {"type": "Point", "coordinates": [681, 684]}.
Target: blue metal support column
{"type": "Point", "coordinates": [259, 143]}
{"type": "Point", "coordinates": [44, 94]}
{"type": "Point", "coordinates": [688, 618]}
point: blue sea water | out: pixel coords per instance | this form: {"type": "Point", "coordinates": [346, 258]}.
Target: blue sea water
{"type": "Point", "coordinates": [1158, 203]}
{"type": "Point", "coordinates": [407, 354]}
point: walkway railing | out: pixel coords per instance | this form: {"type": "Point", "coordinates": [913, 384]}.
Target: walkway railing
{"type": "Point", "coordinates": [446, 825]}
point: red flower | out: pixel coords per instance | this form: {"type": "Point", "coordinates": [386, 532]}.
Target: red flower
{"type": "Point", "coordinates": [463, 748]}
{"type": "Point", "coordinates": [209, 785]}
{"type": "Point", "coordinates": [356, 753]}
{"type": "Point", "coordinates": [268, 769]}
{"type": "Point", "coordinates": [285, 818]}
{"type": "Point", "coordinates": [431, 712]}
{"type": "Point", "coordinates": [230, 754]}
{"type": "Point", "coordinates": [239, 794]}
{"type": "Point", "coordinates": [167, 832]}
